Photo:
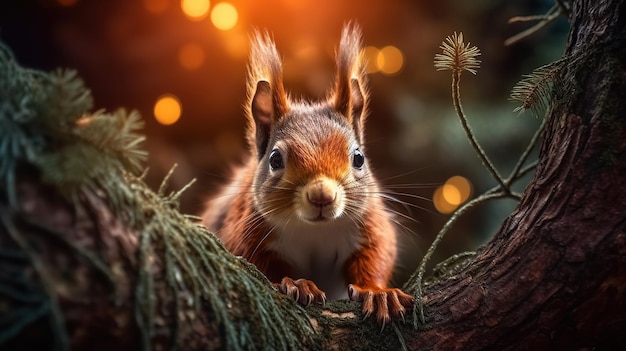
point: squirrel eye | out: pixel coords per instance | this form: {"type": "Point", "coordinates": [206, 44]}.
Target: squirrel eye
{"type": "Point", "coordinates": [276, 160]}
{"type": "Point", "coordinates": [358, 159]}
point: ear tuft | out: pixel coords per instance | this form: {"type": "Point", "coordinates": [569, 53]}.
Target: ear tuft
{"type": "Point", "coordinates": [267, 100]}
{"type": "Point", "coordinates": [350, 96]}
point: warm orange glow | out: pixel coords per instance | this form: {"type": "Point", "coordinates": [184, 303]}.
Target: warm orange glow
{"type": "Point", "coordinates": [156, 6]}
{"type": "Point", "coordinates": [224, 16]}
{"type": "Point", "coordinates": [237, 44]}
{"type": "Point", "coordinates": [440, 202]}
{"type": "Point", "coordinates": [462, 186]}
{"type": "Point", "coordinates": [454, 192]}
{"type": "Point", "coordinates": [370, 54]}
{"type": "Point", "coordinates": [451, 194]}
{"type": "Point", "coordinates": [167, 109]}
{"type": "Point", "coordinates": [195, 9]}
{"type": "Point", "coordinates": [191, 56]}
{"type": "Point", "coordinates": [67, 3]}
{"type": "Point", "coordinates": [390, 60]}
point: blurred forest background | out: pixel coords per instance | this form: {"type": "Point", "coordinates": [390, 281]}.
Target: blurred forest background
{"type": "Point", "coordinates": [191, 56]}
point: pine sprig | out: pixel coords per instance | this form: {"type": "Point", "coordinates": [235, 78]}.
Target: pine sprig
{"type": "Point", "coordinates": [534, 91]}
{"type": "Point", "coordinates": [457, 56]}
{"type": "Point", "coordinates": [116, 133]}
{"type": "Point", "coordinates": [65, 99]}
{"type": "Point", "coordinates": [43, 123]}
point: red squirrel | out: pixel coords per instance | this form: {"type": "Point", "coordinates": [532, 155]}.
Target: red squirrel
{"type": "Point", "coordinates": [306, 204]}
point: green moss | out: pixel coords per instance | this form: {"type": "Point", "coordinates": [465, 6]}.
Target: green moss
{"type": "Point", "coordinates": [46, 122]}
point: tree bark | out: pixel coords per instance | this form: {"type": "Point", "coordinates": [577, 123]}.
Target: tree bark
{"type": "Point", "coordinates": [553, 277]}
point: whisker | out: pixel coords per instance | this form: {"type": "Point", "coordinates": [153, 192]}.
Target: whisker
{"type": "Point", "coordinates": [353, 211]}
{"type": "Point", "coordinates": [354, 216]}
{"type": "Point", "coordinates": [405, 228]}
{"type": "Point", "coordinates": [412, 186]}
{"type": "Point", "coordinates": [390, 194]}
{"type": "Point", "coordinates": [405, 174]}
{"type": "Point", "coordinates": [391, 197]}
{"type": "Point", "coordinates": [216, 175]}
{"type": "Point", "coordinates": [261, 242]}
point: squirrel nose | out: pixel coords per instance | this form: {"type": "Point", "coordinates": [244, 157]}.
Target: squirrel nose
{"type": "Point", "coordinates": [321, 193]}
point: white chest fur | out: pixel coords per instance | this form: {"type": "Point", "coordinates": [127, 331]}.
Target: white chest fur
{"type": "Point", "coordinates": [318, 252]}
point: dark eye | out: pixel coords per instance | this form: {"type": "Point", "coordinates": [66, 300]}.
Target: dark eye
{"type": "Point", "coordinates": [358, 159]}
{"type": "Point", "coordinates": [276, 160]}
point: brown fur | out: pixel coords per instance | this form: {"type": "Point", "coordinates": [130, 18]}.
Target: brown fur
{"type": "Point", "coordinates": [318, 216]}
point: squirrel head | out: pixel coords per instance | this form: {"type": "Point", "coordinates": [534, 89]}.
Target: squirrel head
{"type": "Point", "coordinates": [311, 160]}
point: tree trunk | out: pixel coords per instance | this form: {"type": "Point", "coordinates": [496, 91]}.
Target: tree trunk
{"type": "Point", "coordinates": [553, 277]}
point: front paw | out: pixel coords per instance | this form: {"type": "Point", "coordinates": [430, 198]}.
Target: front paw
{"type": "Point", "coordinates": [302, 290]}
{"type": "Point", "coordinates": [387, 302]}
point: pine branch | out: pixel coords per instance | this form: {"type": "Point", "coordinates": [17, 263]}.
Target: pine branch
{"type": "Point", "coordinates": [89, 159]}
{"type": "Point", "coordinates": [115, 133]}
{"type": "Point", "coordinates": [535, 89]}
{"type": "Point", "coordinates": [459, 57]}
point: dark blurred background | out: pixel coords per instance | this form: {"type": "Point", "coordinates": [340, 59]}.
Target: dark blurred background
{"type": "Point", "coordinates": [133, 53]}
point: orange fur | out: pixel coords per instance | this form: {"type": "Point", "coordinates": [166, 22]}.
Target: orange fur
{"type": "Point", "coordinates": [309, 161]}
{"type": "Point", "coordinates": [306, 204]}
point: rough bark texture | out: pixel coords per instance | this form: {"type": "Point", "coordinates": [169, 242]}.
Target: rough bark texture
{"type": "Point", "coordinates": [553, 277]}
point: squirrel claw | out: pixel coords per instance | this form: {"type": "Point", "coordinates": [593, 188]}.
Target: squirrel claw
{"type": "Point", "coordinates": [386, 302]}
{"type": "Point", "coordinates": [302, 291]}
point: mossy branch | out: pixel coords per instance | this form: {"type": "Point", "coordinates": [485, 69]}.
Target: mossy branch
{"type": "Point", "coordinates": [416, 279]}
{"type": "Point", "coordinates": [174, 265]}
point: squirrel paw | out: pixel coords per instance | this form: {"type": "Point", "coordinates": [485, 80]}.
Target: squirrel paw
{"type": "Point", "coordinates": [302, 290]}
{"type": "Point", "coordinates": [386, 302]}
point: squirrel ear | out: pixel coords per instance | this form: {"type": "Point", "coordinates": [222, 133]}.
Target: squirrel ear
{"type": "Point", "coordinates": [357, 106]}
{"type": "Point", "coordinates": [268, 101]}
{"type": "Point", "coordinates": [261, 108]}
{"type": "Point", "coordinates": [350, 93]}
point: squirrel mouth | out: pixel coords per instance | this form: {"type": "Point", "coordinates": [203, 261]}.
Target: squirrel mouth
{"type": "Point", "coordinates": [319, 214]}
{"type": "Point", "coordinates": [319, 218]}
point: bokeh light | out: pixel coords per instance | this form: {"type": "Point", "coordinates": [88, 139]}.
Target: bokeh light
{"type": "Point", "coordinates": [167, 109]}
{"type": "Point", "coordinates": [450, 195]}
{"type": "Point", "coordinates": [191, 56]}
{"type": "Point", "coordinates": [224, 16]}
{"type": "Point", "coordinates": [237, 44]}
{"type": "Point", "coordinates": [441, 205]}
{"type": "Point", "coordinates": [156, 6]}
{"type": "Point", "coordinates": [370, 54]}
{"type": "Point", "coordinates": [158, 47]}
{"type": "Point", "coordinates": [195, 9]}
{"type": "Point", "coordinates": [390, 60]}
{"type": "Point", "coordinates": [462, 187]}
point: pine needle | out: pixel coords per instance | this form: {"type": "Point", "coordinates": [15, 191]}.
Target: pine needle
{"type": "Point", "coordinates": [533, 92]}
